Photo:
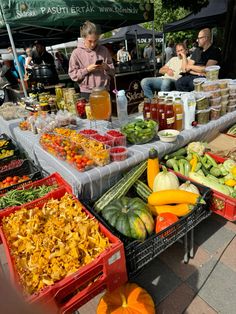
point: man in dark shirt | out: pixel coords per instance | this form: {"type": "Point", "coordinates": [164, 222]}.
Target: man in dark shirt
{"type": "Point", "coordinates": [205, 55]}
{"type": "Point", "coordinates": [41, 56]}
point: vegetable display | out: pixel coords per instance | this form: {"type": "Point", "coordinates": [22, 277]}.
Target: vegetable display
{"type": "Point", "coordinates": [140, 131]}
{"type": "Point", "coordinates": [130, 216]}
{"type": "Point", "coordinates": [153, 167]}
{"type": "Point", "coordinates": [121, 187]}
{"type": "Point", "coordinates": [20, 197]}
{"type": "Point", "coordinates": [127, 299]}
{"type": "Point", "coordinates": [52, 242]}
{"type": "Point", "coordinates": [203, 168]}
{"type": "Point", "coordinates": [165, 180]}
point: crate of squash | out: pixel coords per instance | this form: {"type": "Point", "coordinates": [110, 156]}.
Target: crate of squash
{"type": "Point", "coordinates": [149, 210]}
{"type": "Point", "coordinates": [58, 254]}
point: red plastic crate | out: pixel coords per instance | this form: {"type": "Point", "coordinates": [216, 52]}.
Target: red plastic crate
{"type": "Point", "coordinates": [107, 271]}
{"type": "Point", "coordinates": [222, 204]}
{"type": "Point", "coordinates": [54, 178]}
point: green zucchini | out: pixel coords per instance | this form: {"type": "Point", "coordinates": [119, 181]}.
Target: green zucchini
{"type": "Point", "coordinates": [142, 190]}
{"type": "Point", "coordinates": [121, 187]}
{"type": "Point", "coordinates": [180, 152]}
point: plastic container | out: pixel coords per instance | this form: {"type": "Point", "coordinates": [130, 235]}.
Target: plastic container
{"type": "Point", "coordinates": [215, 112]}
{"type": "Point", "coordinates": [141, 253]}
{"type": "Point", "coordinates": [224, 91]}
{"type": "Point", "coordinates": [118, 137]}
{"type": "Point", "coordinates": [203, 116]}
{"type": "Point", "coordinates": [107, 271]}
{"type": "Point", "coordinates": [197, 83]}
{"type": "Point", "coordinates": [215, 93]}
{"type": "Point", "coordinates": [232, 102]}
{"type": "Point", "coordinates": [231, 108]}
{"type": "Point", "coordinates": [209, 86]}
{"type": "Point", "coordinates": [223, 84]}
{"type": "Point", "coordinates": [212, 72]}
{"type": "Point", "coordinates": [88, 132]}
{"type": "Point", "coordinates": [225, 97]}
{"type": "Point", "coordinates": [122, 105]}
{"type": "Point", "coordinates": [202, 100]}
{"type": "Point", "coordinates": [223, 108]}
{"type": "Point", "coordinates": [232, 88]}
{"type": "Point", "coordinates": [105, 139]}
{"type": "Point", "coordinates": [232, 96]}
{"type": "Point", "coordinates": [215, 101]}
{"type": "Point", "coordinates": [118, 153]}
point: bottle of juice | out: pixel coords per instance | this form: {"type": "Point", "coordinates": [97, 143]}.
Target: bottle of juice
{"type": "Point", "coordinates": [146, 108]}
{"type": "Point", "coordinates": [178, 109]}
{"type": "Point", "coordinates": [161, 113]}
{"type": "Point", "coordinates": [153, 109]}
{"type": "Point", "coordinates": [169, 114]}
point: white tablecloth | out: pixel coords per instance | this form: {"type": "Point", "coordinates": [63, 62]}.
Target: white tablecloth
{"type": "Point", "coordinates": [8, 127]}
{"type": "Point", "coordinates": [91, 184]}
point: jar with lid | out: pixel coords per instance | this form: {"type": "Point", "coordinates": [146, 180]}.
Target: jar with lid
{"type": "Point", "coordinates": [100, 104]}
{"type": "Point", "coordinates": [147, 109]}
{"type": "Point", "coordinates": [80, 107]}
{"type": "Point", "coordinates": [161, 113]}
{"type": "Point", "coordinates": [178, 110]}
{"type": "Point", "coordinates": [169, 115]}
{"type": "Point", "coordinates": [153, 109]}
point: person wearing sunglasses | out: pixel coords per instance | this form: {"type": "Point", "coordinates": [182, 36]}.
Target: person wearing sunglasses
{"type": "Point", "coordinates": [206, 54]}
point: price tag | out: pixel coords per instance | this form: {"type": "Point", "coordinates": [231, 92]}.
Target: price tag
{"type": "Point", "coordinates": [114, 258]}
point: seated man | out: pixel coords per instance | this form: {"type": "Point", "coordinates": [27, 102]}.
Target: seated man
{"type": "Point", "coordinates": [205, 55]}
{"type": "Point", "coordinates": [171, 71]}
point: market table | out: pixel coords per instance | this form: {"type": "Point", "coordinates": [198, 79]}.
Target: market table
{"type": "Point", "coordinates": [7, 127]}
{"type": "Point", "coordinates": [93, 183]}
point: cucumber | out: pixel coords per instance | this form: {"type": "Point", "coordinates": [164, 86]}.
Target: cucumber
{"type": "Point", "coordinates": [121, 187]}
{"type": "Point", "coordinates": [180, 152]}
{"type": "Point", "coordinates": [142, 190]}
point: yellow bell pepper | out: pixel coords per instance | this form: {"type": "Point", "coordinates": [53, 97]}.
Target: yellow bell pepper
{"type": "Point", "coordinates": [193, 163]}
{"type": "Point", "coordinates": [233, 171]}
{"type": "Point", "coordinates": [230, 182]}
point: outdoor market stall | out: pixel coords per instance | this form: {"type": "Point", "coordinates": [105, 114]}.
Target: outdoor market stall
{"type": "Point", "coordinates": [93, 183]}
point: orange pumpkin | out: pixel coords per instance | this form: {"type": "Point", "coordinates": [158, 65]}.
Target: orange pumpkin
{"type": "Point", "coordinates": [127, 299]}
{"type": "Point", "coordinates": [163, 221]}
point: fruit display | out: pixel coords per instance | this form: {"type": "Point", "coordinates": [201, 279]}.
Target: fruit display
{"type": "Point", "coordinates": [63, 148]}
{"type": "Point", "coordinates": [129, 298]}
{"type": "Point", "coordinates": [9, 181]}
{"type": "Point", "coordinates": [52, 242]}
{"type": "Point", "coordinates": [20, 197]}
{"type": "Point", "coordinates": [118, 153]}
{"type": "Point", "coordinates": [130, 216]}
{"type": "Point", "coordinates": [119, 138]}
{"type": "Point", "coordinates": [140, 131]}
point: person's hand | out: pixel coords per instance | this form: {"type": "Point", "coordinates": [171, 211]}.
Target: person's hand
{"type": "Point", "coordinates": [182, 54]}
{"type": "Point", "coordinates": [188, 67]}
{"type": "Point", "coordinates": [93, 67]}
{"type": "Point", "coordinates": [170, 72]}
{"type": "Point", "coordinates": [104, 66]}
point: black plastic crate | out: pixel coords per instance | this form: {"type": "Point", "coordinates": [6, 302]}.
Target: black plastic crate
{"type": "Point", "coordinates": [28, 168]}
{"type": "Point", "coordinates": [140, 253]}
{"type": "Point", "coordinates": [6, 138]}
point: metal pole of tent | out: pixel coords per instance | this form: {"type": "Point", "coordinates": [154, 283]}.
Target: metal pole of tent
{"type": "Point", "coordinates": [136, 42]}
{"type": "Point", "coordinates": [154, 43]}
{"type": "Point", "coordinates": [16, 59]}
{"type": "Point", "coordinates": [163, 48]}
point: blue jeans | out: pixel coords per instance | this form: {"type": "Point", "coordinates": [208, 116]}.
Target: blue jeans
{"type": "Point", "coordinates": [185, 83]}
{"type": "Point", "coordinates": [152, 84]}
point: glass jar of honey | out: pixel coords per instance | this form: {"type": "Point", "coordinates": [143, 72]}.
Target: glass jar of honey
{"type": "Point", "coordinates": [100, 104]}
